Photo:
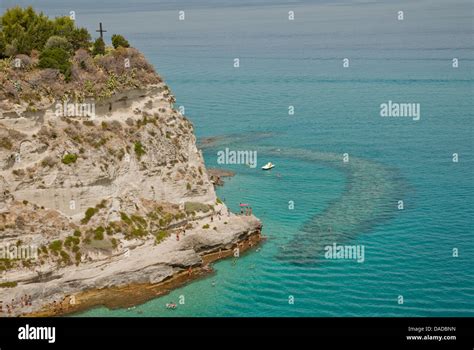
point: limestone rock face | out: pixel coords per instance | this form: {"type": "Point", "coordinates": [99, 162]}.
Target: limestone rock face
{"type": "Point", "coordinates": [111, 197]}
{"type": "Point", "coordinates": [136, 145]}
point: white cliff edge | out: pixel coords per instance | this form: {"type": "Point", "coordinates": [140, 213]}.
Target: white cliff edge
{"type": "Point", "coordinates": [118, 199]}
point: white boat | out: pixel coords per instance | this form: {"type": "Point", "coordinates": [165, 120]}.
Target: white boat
{"type": "Point", "coordinates": [268, 166]}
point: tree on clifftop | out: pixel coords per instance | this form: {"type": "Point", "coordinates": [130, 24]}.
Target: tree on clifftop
{"type": "Point", "coordinates": [2, 45]}
{"type": "Point", "coordinates": [80, 39]}
{"type": "Point", "coordinates": [58, 42]}
{"type": "Point", "coordinates": [99, 47]}
{"type": "Point", "coordinates": [119, 41]}
{"type": "Point", "coordinates": [24, 30]}
{"type": "Point", "coordinates": [56, 58]}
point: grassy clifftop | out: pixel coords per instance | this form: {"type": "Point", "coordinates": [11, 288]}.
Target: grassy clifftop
{"type": "Point", "coordinates": [44, 59]}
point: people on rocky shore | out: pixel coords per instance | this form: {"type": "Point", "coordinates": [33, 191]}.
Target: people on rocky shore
{"type": "Point", "coordinates": [248, 210]}
{"type": "Point", "coordinates": [24, 301]}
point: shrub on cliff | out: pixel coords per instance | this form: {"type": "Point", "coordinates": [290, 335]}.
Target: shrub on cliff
{"type": "Point", "coordinates": [119, 41]}
{"type": "Point", "coordinates": [77, 37]}
{"type": "Point", "coordinates": [3, 44]}
{"type": "Point", "coordinates": [80, 39]}
{"type": "Point", "coordinates": [138, 232]}
{"type": "Point", "coordinates": [11, 49]}
{"type": "Point", "coordinates": [8, 284]}
{"type": "Point", "coordinates": [25, 30]}
{"type": "Point", "coordinates": [114, 62]}
{"type": "Point", "coordinates": [90, 212]}
{"type": "Point", "coordinates": [99, 233]}
{"type": "Point", "coordinates": [139, 150]}
{"type": "Point", "coordinates": [58, 42]}
{"type": "Point", "coordinates": [56, 246]}
{"type": "Point", "coordinates": [125, 218]}
{"type": "Point", "coordinates": [99, 47]}
{"type": "Point", "coordinates": [71, 241]}
{"type": "Point", "coordinates": [85, 61]}
{"type": "Point", "coordinates": [160, 236]}
{"type": "Point", "coordinates": [66, 259]}
{"type": "Point", "coordinates": [69, 158]}
{"type": "Point", "coordinates": [78, 257]}
{"type": "Point", "coordinates": [56, 58]}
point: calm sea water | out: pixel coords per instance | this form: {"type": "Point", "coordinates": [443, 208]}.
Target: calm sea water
{"type": "Point", "coordinates": [299, 63]}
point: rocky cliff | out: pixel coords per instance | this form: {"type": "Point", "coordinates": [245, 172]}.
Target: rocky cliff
{"type": "Point", "coordinates": [111, 191]}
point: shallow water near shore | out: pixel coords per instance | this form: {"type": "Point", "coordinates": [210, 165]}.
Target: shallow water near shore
{"type": "Point", "coordinates": [407, 252]}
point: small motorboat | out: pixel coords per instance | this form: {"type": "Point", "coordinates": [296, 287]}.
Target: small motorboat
{"type": "Point", "coordinates": [268, 166]}
{"type": "Point", "coordinates": [171, 306]}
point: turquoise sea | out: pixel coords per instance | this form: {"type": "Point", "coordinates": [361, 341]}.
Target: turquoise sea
{"type": "Point", "coordinates": [298, 63]}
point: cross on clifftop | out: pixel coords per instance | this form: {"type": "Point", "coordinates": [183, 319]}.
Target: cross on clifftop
{"type": "Point", "coordinates": [101, 31]}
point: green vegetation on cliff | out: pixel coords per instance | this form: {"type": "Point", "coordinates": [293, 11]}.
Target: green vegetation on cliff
{"type": "Point", "coordinates": [119, 41]}
{"type": "Point", "coordinates": [24, 30]}
{"type": "Point", "coordinates": [69, 159]}
{"type": "Point", "coordinates": [53, 59]}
